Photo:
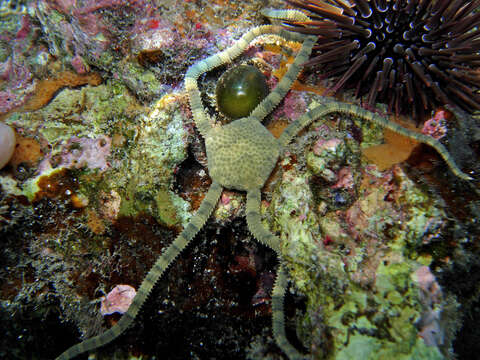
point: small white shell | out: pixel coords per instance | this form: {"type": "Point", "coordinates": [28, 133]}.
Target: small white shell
{"type": "Point", "coordinates": [7, 144]}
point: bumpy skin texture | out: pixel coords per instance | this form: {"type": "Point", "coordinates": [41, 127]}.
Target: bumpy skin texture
{"type": "Point", "coordinates": [241, 156]}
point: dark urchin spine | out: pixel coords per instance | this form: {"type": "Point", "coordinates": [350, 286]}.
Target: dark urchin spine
{"type": "Point", "coordinates": [413, 55]}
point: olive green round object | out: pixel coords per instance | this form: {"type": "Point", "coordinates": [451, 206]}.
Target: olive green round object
{"type": "Point", "coordinates": [240, 90]}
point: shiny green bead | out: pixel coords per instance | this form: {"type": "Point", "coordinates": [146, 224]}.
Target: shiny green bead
{"type": "Point", "coordinates": [240, 90]}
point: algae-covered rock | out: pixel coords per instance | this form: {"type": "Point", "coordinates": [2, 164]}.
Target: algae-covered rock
{"type": "Point", "coordinates": [355, 264]}
{"type": "Point", "coordinates": [105, 129]}
{"type": "Point", "coordinates": [159, 146]}
{"type": "Point", "coordinates": [91, 111]}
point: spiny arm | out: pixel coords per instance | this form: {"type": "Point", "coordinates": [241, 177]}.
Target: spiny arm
{"type": "Point", "coordinates": [224, 57]}
{"type": "Point", "coordinates": [254, 222]}
{"type": "Point", "coordinates": [274, 98]}
{"type": "Point", "coordinates": [267, 238]}
{"type": "Point", "coordinates": [292, 130]}
{"type": "Point", "coordinates": [277, 16]}
{"type": "Point", "coordinates": [278, 316]}
{"type": "Point", "coordinates": [162, 263]}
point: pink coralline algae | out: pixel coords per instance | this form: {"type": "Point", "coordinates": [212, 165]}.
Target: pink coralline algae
{"type": "Point", "coordinates": [430, 329]}
{"type": "Point", "coordinates": [174, 49]}
{"type": "Point", "coordinates": [430, 291]}
{"type": "Point", "coordinates": [85, 152]}
{"type": "Point", "coordinates": [436, 126]}
{"type": "Point", "coordinates": [25, 29]}
{"type": "Point", "coordinates": [91, 27]}
{"type": "Point", "coordinates": [16, 77]}
{"type": "Point", "coordinates": [79, 65]}
{"type": "Point", "coordinates": [325, 145]}
{"type": "Point", "coordinates": [81, 152]}
{"type": "Point", "coordinates": [345, 179]}
{"type": "Point", "coordinates": [293, 107]}
{"type": "Point", "coordinates": [270, 57]}
{"type": "Point", "coordinates": [118, 300]}
{"type": "Point", "coordinates": [9, 100]}
{"type": "Point", "coordinates": [430, 296]}
{"type": "Point", "coordinates": [225, 199]}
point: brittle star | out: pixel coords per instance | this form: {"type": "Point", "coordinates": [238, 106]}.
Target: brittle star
{"type": "Point", "coordinates": [241, 155]}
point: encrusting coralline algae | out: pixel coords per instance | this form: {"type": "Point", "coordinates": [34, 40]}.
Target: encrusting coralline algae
{"type": "Point", "coordinates": [381, 262]}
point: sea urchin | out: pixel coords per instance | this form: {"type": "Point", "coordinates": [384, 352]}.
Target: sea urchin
{"type": "Point", "coordinates": [413, 55]}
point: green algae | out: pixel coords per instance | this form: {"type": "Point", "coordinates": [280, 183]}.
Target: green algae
{"type": "Point", "coordinates": [10, 186]}
{"type": "Point", "coordinates": [355, 266]}
{"type": "Point", "coordinates": [392, 308]}
{"type": "Point", "coordinates": [159, 146]}
{"type": "Point", "coordinates": [225, 210]}
{"type": "Point", "coordinates": [366, 347]}
{"type": "Point", "coordinates": [91, 111]}
{"type": "Point", "coordinates": [167, 208]}
{"type": "Point", "coordinates": [10, 18]}
{"type": "Point", "coordinates": [106, 60]}
{"type": "Point", "coordinates": [294, 196]}
{"type": "Point", "coordinates": [426, 217]}
{"type": "Point", "coordinates": [142, 163]}
{"type": "Point", "coordinates": [143, 82]}
{"type": "Point", "coordinates": [30, 188]}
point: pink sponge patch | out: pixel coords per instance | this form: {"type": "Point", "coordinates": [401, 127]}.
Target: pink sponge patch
{"type": "Point", "coordinates": [7, 144]}
{"type": "Point", "coordinates": [118, 300]}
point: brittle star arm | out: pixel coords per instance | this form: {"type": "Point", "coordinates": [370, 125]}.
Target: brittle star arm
{"type": "Point", "coordinates": [267, 238]}
{"type": "Point", "coordinates": [277, 16]}
{"type": "Point", "coordinates": [294, 128]}
{"type": "Point", "coordinates": [273, 99]}
{"type": "Point", "coordinates": [162, 264]}
{"type": "Point", "coordinates": [278, 311]}
{"type": "Point", "coordinates": [201, 120]}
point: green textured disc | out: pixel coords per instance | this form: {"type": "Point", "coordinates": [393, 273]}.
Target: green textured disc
{"type": "Point", "coordinates": [240, 90]}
